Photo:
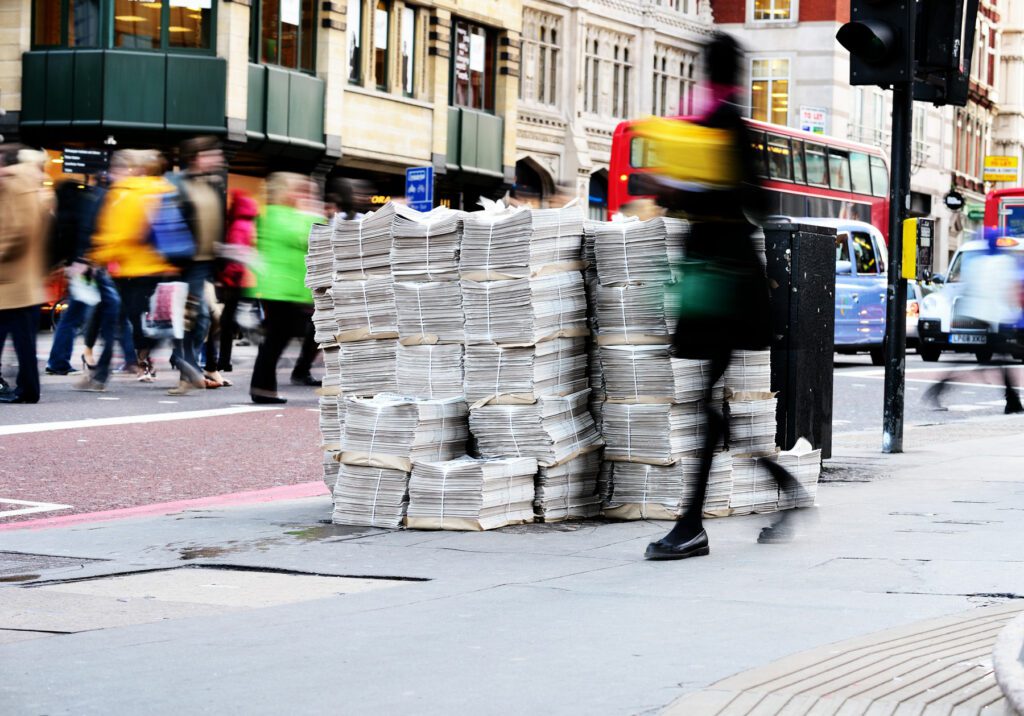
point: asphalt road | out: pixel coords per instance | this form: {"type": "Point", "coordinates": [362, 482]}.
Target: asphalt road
{"type": "Point", "coordinates": [124, 448]}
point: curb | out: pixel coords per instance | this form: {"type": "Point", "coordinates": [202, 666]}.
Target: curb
{"type": "Point", "coordinates": [234, 499]}
{"type": "Point", "coordinates": [1008, 661]}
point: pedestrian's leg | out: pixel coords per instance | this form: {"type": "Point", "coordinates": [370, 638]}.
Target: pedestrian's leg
{"type": "Point", "coordinates": [228, 328]}
{"type": "Point", "coordinates": [687, 538]}
{"type": "Point", "coordinates": [110, 318]}
{"type": "Point", "coordinates": [935, 392]}
{"type": "Point", "coordinates": [278, 334]}
{"type": "Point", "coordinates": [23, 332]}
{"type": "Point", "coordinates": [1012, 399]}
{"type": "Point", "coordinates": [92, 334]}
{"type": "Point", "coordinates": [64, 338]}
{"type": "Point", "coordinates": [301, 373]}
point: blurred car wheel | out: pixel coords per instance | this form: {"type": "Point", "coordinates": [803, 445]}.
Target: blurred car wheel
{"type": "Point", "coordinates": [929, 354]}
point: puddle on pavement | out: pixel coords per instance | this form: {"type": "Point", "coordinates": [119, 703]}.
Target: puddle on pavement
{"type": "Point", "coordinates": [213, 551]}
{"type": "Point", "coordinates": [311, 534]}
{"type": "Point", "coordinates": [19, 578]}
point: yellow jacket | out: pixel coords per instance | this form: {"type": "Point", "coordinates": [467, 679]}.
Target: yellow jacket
{"type": "Point", "coordinates": [121, 241]}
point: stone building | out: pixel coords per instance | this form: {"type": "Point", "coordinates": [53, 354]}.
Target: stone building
{"type": "Point", "coordinates": [588, 65]}
{"type": "Point", "coordinates": [368, 86]}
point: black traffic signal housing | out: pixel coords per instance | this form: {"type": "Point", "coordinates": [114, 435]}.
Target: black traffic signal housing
{"type": "Point", "coordinates": [945, 43]}
{"type": "Point", "coordinates": [880, 39]}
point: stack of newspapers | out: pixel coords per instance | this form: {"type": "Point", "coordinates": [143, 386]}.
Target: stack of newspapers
{"type": "Point", "coordinates": [569, 490]}
{"type": "Point", "coordinates": [521, 374]}
{"type": "Point", "coordinates": [471, 494]}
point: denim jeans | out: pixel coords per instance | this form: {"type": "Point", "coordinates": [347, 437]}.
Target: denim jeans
{"type": "Point", "coordinates": [22, 324]}
{"type": "Point", "coordinates": [123, 333]}
{"type": "Point", "coordinates": [186, 353]}
{"type": "Point", "coordinates": [109, 323]}
{"type": "Point", "coordinates": [64, 336]}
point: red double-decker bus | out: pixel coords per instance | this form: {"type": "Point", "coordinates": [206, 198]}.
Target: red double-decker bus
{"type": "Point", "coordinates": [1004, 212]}
{"type": "Point", "coordinates": [805, 174]}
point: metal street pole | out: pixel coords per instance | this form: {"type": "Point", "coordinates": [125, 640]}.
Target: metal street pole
{"type": "Point", "coordinates": [896, 293]}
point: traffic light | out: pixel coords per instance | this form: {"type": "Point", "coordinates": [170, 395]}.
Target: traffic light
{"type": "Point", "coordinates": [880, 39]}
{"type": "Point", "coordinates": [945, 40]}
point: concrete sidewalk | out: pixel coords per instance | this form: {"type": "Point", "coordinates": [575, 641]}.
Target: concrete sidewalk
{"type": "Point", "coordinates": [542, 618]}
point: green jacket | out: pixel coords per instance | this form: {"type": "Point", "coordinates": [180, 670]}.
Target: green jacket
{"type": "Point", "coordinates": [282, 239]}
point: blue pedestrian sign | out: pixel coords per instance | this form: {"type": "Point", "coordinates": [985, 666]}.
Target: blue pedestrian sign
{"type": "Point", "coordinates": [419, 188]}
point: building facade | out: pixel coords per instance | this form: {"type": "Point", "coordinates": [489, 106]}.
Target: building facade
{"type": "Point", "coordinates": [797, 71]}
{"type": "Point", "coordinates": [588, 65]}
{"type": "Point", "coordinates": [364, 87]}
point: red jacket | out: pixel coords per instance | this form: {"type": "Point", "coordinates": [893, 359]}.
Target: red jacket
{"type": "Point", "coordinates": [241, 234]}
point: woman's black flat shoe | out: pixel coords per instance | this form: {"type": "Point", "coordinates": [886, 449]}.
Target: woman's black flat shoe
{"type": "Point", "coordinates": [695, 547]}
{"type": "Point", "coordinates": [268, 400]}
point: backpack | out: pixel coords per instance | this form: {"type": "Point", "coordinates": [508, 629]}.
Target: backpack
{"type": "Point", "coordinates": [168, 231]}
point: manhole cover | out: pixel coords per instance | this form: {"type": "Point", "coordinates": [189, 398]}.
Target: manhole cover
{"type": "Point", "coordinates": [17, 563]}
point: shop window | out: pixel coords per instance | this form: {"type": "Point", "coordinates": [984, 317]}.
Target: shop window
{"type": "Point", "coordinates": [772, 10]}
{"type": "Point", "coordinates": [354, 23]}
{"type": "Point", "coordinates": [408, 51]}
{"type": "Point", "coordinates": [66, 23]}
{"type": "Point", "coordinates": [381, 28]}
{"type": "Point", "coordinates": [286, 33]}
{"type": "Point", "coordinates": [473, 67]}
{"type": "Point", "coordinates": [163, 24]}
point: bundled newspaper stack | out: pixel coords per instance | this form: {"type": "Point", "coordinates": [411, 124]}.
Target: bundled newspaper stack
{"type": "Point", "coordinates": [663, 492]}
{"type": "Point", "coordinates": [324, 322]}
{"type": "Point", "coordinates": [364, 309]}
{"type": "Point", "coordinates": [752, 424]}
{"type": "Point", "coordinates": [569, 490]}
{"type": "Point", "coordinates": [367, 368]}
{"type": "Point", "coordinates": [430, 371]}
{"type": "Point", "coordinates": [330, 423]}
{"type": "Point", "coordinates": [638, 252]}
{"type": "Point", "coordinates": [749, 372]}
{"type": "Point", "coordinates": [331, 467]}
{"type": "Point", "coordinates": [552, 430]}
{"type": "Point", "coordinates": [362, 247]}
{"type": "Point", "coordinates": [804, 464]}
{"type": "Point", "coordinates": [426, 247]}
{"type": "Point", "coordinates": [632, 314]}
{"type": "Point", "coordinates": [754, 490]}
{"type": "Point", "coordinates": [395, 431]}
{"type": "Point", "coordinates": [523, 311]}
{"type": "Point", "coordinates": [370, 496]}
{"type": "Point", "coordinates": [429, 312]}
{"type": "Point", "coordinates": [653, 433]}
{"type": "Point", "coordinates": [501, 243]}
{"type": "Point", "coordinates": [319, 258]}
{"type": "Point", "coordinates": [471, 494]}
{"type": "Point", "coordinates": [649, 374]}
{"type": "Point", "coordinates": [521, 374]}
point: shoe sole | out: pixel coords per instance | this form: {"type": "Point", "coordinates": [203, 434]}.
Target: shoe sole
{"type": "Point", "coordinates": [663, 557]}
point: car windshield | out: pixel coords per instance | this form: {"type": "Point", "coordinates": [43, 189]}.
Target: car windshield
{"type": "Point", "coordinates": [956, 269]}
{"type": "Point", "coordinates": [864, 253]}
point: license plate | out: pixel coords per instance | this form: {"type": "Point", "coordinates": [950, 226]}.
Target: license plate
{"type": "Point", "coordinates": [968, 339]}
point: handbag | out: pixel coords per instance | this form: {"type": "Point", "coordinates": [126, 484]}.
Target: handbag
{"type": "Point", "coordinates": [84, 290]}
{"type": "Point", "coordinates": [166, 315]}
{"type": "Point", "coordinates": [710, 290]}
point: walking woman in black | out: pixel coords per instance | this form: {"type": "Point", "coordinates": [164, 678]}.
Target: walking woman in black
{"type": "Point", "coordinates": [723, 285]}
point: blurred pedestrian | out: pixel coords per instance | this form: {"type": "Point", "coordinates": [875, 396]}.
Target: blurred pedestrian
{"type": "Point", "coordinates": [25, 216]}
{"type": "Point", "coordinates": [282, 238]}
{"type": "Point", "coordinates": [122, 243]}
{"type": "Point", "coordinates": [724, 289]}
{"type": "Point", "coordinates": [201, 186]}
{"type": "Point", "coordinates": [65, 253]}
{"type": "Point", "coordinates": [234, 276]}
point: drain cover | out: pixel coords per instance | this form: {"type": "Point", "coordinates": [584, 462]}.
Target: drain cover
{"type": "Point", "coordinates": [16, 563]}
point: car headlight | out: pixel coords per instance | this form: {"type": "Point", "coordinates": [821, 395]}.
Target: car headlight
{"type": "Point", "coordinates": [930, 305]}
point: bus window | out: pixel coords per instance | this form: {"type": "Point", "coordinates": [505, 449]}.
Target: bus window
{"type": "Point", "coordinates": [780, 165]}
{"type": "Point", "coordinates": [798, 161]}
{"type": "Point", "coordinates": [757, 145]}
{"type": "Point", "coordinates": [839, 170]}
{"type": "Point", "coordinates": [641, 153]}
{"type": "Point", "coordinates": [860, 173]}
{"type": "Point", "coordinates": [879, 177]}
{"type": "Point", "coordinates": [817, 170]}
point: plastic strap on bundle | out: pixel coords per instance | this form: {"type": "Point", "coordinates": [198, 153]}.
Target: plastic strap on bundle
{"type": "Point", "coordinates": [376, 491]}
{"type": "Point", "coordinates": [487, 306]}
{"type": "Point", "coordinates": [487, 256]}
{"type": "Point", "coordinates": [366, 307]}
{"type": "Point", "coordinates": [430, 371]}
{"type": "Point", "coordinates": [440, 441]}
{"type": "Point", "coordinates": [572, 417]}
{"type": "Point", "coordinates": [427, 237]}
{"type": "Point", "coordinates": [629, 436]}
{"type": "Point", "coordinates": [622, 310]}
{"type": "Point", "coordinates": [497, 372]}
{"type": "Point", "coordinates": [636, 387]}
{"type": "Point", "coordinates": [512, 431]}
{"type": "Point", "coordinates": [373, 435]}
{"type": "Point", "coordinates": [625, 253]}
{"type": "Point", "coordinates": [419, 307]}
{"type": "Point", "coordinates": [444, 480]}
{"type": "Point", "coordinates": [362, 267]}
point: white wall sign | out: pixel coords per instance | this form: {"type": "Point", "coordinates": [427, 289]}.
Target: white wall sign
{"type": "Point", "coordinates": [814, 119]}
{"type": "Point", "coordinates": [290, 12]}
{"type": "Point", "coordinates": [477, 47]}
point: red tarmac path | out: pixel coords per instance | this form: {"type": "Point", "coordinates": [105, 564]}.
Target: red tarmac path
{"type": "Point", "coordinates": [162, 466]}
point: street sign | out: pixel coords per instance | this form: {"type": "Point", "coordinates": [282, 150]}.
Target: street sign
{"type": "Point", "coordinates": [419, 188]}
{"type": "Point", "coordinates": [954, 201]}
{"type": "Point", "coordinates": [85, 161]}
{"type": "Point", "coordinates": [1000, 168]}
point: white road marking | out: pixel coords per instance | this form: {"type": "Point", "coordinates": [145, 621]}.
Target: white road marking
{"type": "Point", "coordinates": [107, 397]}
{"type": "Point", "coordinates": [840, 422]}
{"type": "Point", "coordinates": [859, 385]}
{"type": "Point", "coordinates": [29, 508]}
{"type": "Point", "coordinates": [167, 402]}
{"type": "Point", "coordinates": [964, 408]}
{"type": "Point", "coordinates": [129, 420]}
{"type": "Point", "coordinates": [996, 403]}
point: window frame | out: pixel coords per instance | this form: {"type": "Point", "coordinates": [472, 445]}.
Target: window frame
{"type": "Point", "coordinates": [356, 66]}
{"type": "Point", "coordinates": [771, 79]}
{"type": "Point", "coordinates": [412, 49]}
{"type": "Point", "coordinates": [106, 35]}
{"type": "Point", "coordinates": [793, 19]}
{"type": "Point", "coordinates": [382, 83]}
{"type": "Point", "coordinates": [770, 138]}
{"type": "Point", "coordinates": [490, 38]}
{"type": "Point", "coordinates": [256, 38]}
